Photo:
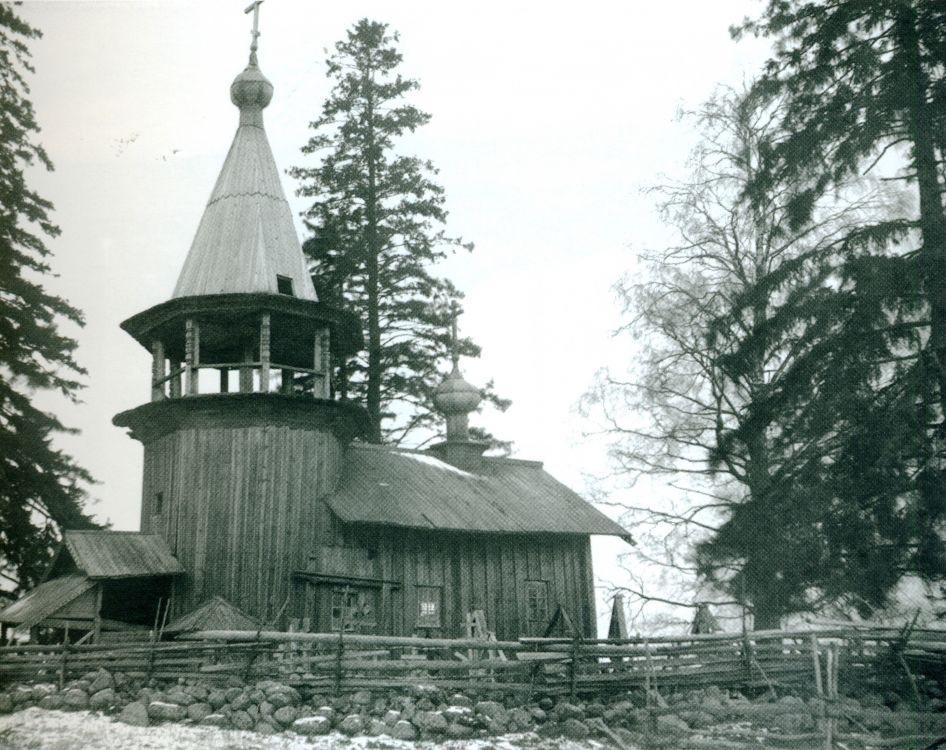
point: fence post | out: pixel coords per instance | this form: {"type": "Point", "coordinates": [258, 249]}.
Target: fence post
{"type": "Point", "coordinates": [62, 664]}
{"type": "Point", "coordinates": [573, 689]}
{"type": "Point", "coordinates": [338, 662]}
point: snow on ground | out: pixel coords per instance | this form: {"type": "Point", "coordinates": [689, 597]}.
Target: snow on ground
{"type": "Point", "coordinates": [39, 729]}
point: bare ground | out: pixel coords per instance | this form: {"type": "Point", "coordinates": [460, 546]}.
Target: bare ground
{"type": "Point", "coordinates": [39, 729]}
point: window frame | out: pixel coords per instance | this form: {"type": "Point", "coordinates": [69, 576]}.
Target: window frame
{"type": "Point", "coordinates": [537, 591]}
{"type": "Point", "coordinates": [435, 597]}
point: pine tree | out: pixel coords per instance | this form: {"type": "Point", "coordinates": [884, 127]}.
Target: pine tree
{"type": "Point", "coordinates": [40, 486]}
{"type": "Point", "coordinates": [377, 222]}
{"type": "Point", "coordinates": [864, 85]}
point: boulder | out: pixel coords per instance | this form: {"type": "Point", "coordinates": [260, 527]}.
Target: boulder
{"type": "Point", "coordinates": [100, 681]}
{"type": "Point", "coordinates": [362, 698]}
{"type": "Point", "coordinates": [376, 727]}
{"type": "Point", "coordinates": [256, 696]}
{"type": "Point", "coordinates": [326, 711]}
{"type": "Point", "coordinates": [103, 699]}
{"type": "Point", "coordinates": [594, 709]}
{"type": "Point", "coordinates": [793, 723]}
{"type": "Point", "coordinates": [404, 730]}
{"type": "Point", "coordinates": [198, 692]}
{"type": "Point", "coordinates": [286, 693]}
{"type": "Point", "coordinates": [538, 715]}
{"type": "Point", "coordinates": [457, 713]}
{"type": "Point", "coordinates": [232, 693]}
{"type": "Point", "coordinates": [495, 711]}
{"type": "Point", "coordinates": [575, 729]}
{"type": "Point", "coordinates": [285, 715]}
{"type": "Point", "coordinates": [50, 702]}
{"type": "Point", "coordinates": [672, 725]}
{"type": "Point", "coordinates": [459, 699]}
{"type": "Point", "coordinates": [135, 714]}
{"type": "Point", "coordinates": [22, 695]}
{"type": "Point", "coordinates": [565, 711]}
{"type": "Point", "coordinates": [161, 711]}
{"type": "Point", "coordinates": [266, 708]}
{"type": "Point", "coordinates": [520, 717]}
{"type": "Point", "coordinates": [392, 717]}
{"type": "Point", "coordinates": [216, 699]}
{"type": "Point", "coordinates": [76, 699]}
{"type": "Point", "coordinates": [6, 703]}
{"type": "Point", "coordinates": [431, 722]}
{"type": "Point", "coordinates": [311, 726]}
{"type": "Point", "coordinates": [253, 711]}
{"type": "Point", "coordinates": [546, 704]}
{"type": "Point", "coordinates": [265, 726]}
{"type": "Point", "coordinates": [352, 724]}
{"type": "Point", "coordinates": [180, 698]}
{"type": "Point", "coordinates": [431, 692]}
{"type": "Point", "coordinates": [241, 720]}
{"type": "Point", "coordinates": [241, 702]}
{"type": "Point", "coordinates": [459, 732]}
{"type": "Point", "coordinates": [198, 711]}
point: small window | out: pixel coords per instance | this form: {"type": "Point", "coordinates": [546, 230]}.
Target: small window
{"type": "Point", "coordinates": [428, 606]}
{"type": "Point", "coordinates": [284, 285]}
{"type": "Point", "coordinates": [537, 601]}
{"type": "Point", "coordinates": [158, 503]}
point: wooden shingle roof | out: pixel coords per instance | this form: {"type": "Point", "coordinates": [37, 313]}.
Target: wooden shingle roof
{"type": "Point", "coordinates": [120, 554]}
{"type": "Point", "coordinates": [214, 614]}
{"type": "Point", "coordinates": [45, 599]}
{"type": "Point", "coordinates": [414, 489]}
{"type": "Point", "coordinates": [246, 237]}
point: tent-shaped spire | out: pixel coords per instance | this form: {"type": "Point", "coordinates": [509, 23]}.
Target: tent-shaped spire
{"type": "Point", "coordinates": [246, 241]}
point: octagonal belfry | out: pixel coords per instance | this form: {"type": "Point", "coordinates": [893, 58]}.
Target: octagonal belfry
{"type": "Point", "coordinates": [242, 434]}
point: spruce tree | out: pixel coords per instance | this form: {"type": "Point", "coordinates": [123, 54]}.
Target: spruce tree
{"type": "Point", "coordinates": [41, 487]}
{"type": "Point", "coordinates": [377, 221]}
{"type": "Point", "coordinates": [865, 89]}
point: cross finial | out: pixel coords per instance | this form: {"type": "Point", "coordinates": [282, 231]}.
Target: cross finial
{"type": "Point", "coordinates": [254, 45]}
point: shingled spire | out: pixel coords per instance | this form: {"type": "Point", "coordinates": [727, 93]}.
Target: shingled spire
{"type": "Point", "coordinates": [246, 241]}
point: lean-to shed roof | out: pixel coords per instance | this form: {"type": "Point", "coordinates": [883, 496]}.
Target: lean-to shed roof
{"type": "Point", "coordinates": [415, 489]}
{"type": "Point", "coordinates": [120, 554]}
{"type": "Point", "coordinates": [45, 599]}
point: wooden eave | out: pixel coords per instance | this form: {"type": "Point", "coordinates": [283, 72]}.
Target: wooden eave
{"type": "Point", "coordinates": [156, 418]}
{"type": "Point", "coordinates": [165, 320]}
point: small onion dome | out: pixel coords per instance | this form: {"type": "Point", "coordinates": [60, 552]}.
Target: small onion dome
{"type": "Point", "coordinates": [251, 89]}
{"type": "Point", "coordinates": [455, 396]}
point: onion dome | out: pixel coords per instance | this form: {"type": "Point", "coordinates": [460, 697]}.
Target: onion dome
{"type": "Point", "coordinates": [455, 395]}
{"type": "Point", "coordinates": [251, 90]}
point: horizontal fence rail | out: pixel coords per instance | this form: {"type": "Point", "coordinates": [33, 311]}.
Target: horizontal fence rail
{"type": "Point", "coordinates": [554, 666]}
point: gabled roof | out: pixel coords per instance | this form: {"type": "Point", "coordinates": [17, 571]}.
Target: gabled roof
{"type": "Point", "coordinates": [414, 489]}
{"type": "Point", "coordinates": [214, 614]}
{"type": "Point", "coordinates": [120, 554]}
{"type": "Point", "coordinates": [45, 599]}
{"type": "Point", "coordinates": [246, 237]}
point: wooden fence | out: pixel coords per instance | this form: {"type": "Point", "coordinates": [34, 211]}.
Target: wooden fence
{"type": "Point", "coordinates": [812, 660]}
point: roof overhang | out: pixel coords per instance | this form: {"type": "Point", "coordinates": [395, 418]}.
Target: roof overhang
{"type": "Point", "coordinates": [163, 321]}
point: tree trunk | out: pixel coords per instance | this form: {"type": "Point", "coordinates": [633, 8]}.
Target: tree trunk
{"type": "Point", "coordinates": [932, 219]}
{"type": "Point", "coordinates": [373, 398]}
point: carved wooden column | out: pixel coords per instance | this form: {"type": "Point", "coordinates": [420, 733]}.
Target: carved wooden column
{"type": "Point", "coordinates": [264, 353]}
{"type": "Point", "coordinates": [157, 370]}
{"type": "Point", "coordinates": [192, 355]}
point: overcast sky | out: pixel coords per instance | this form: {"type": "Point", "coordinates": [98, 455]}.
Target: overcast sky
{"type": "Point", "coordinates": [546, 125]}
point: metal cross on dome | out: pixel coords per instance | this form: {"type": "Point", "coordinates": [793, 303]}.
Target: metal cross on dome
{"type": "Point", "coordinates": [254, 6]}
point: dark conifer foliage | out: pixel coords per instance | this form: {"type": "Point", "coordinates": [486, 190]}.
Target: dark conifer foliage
{"type": "Point", "coordinates": [377, 220]}
{"type": "Point", "coordinates": [864, 84]}
{"type": "Point", "coordinates": [40, 486]}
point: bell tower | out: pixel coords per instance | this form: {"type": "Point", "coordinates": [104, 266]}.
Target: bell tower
{"type": "Point", "coordinates": [242, 435]}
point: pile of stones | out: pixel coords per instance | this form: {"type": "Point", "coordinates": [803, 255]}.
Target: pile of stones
{"type": "Point", "coordinates": [427, 712]}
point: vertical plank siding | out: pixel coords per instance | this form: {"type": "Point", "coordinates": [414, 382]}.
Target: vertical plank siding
{"type": "Point", "coordinates": [240, 508]}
